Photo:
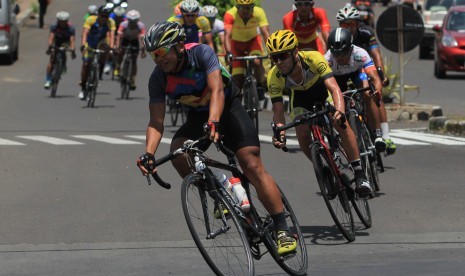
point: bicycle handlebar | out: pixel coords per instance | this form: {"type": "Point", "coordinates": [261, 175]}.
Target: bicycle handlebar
{"type": "Point", "coordinates": [370, 88]}
{"type": "Point", "coordinates": [250, 57]}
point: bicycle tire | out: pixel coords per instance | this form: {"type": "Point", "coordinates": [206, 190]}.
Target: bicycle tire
{"type": "Point", "coordinates": [184, 111]}
{"type": "Point", "coordinates": [93, 87]}
{"type": "Point", "coordinates": [227, 253]}
{"type": "Point", "coordinates": [89, 86]}
{"type": "Point", "coordinates": [128, 79]}
{"type": "Point", "coordinates": [251, 102]}
{"type": "Point", "coordinates": [296, 264]}
{"type": "Point", "coordinates": [334, 196]}
{"type": "Point", "coordinates": [56, 72]}
{"type": "Point", "coordinates": [174, 112]}
{"type": "Point", "coordinates": [124, 83]}
{"type": "Point", "coordinates": [373, 171]}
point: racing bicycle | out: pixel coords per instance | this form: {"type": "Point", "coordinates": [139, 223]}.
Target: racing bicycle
{"type": "Point", "coordinates": [58, 65]}
{"type": "Point", "coordinates": [228, 238]}
{"type": "Point", "coordinates": [127, 69]}
{"type": "Point", "coordinates": [93, 77]}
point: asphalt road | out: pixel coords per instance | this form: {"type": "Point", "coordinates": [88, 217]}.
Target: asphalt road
{"type": "Point", "coordinates": [79, 206]}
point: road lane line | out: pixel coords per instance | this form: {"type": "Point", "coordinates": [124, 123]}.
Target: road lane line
{"type": "Point", "coordinates": [142, 137]}
{"type": "Point", "coordinates": [50, 140]}
{"type": "Point", "coordinates": [424, 137]}
{"type": "Point", "coordinates": [5, 142]}
{"type": "Point", "coordinates": [109, 140]}
{"type": "Point", "coordinates": [404, 142]}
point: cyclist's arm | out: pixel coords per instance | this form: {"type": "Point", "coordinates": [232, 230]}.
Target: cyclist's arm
{"type": "Point", "coordinates": [338, 99]}
{"type": "Point", "coordinates": [209, 40]}
{"type": "Point", "coordinates": [155, 127]}
{"type": "Point", "coordinates": [373, 74]}
{"type": "Point", "coordinates": [85, 33]}
{"type": "Point", "coordinates": [227, 39]}
{"type": "Point", "coordinates": [221, 36]}
{"type": "Point", "coordinates": [265, 31]}
{"type": "Point", "coordinates": [51, 38]}
{"type": "Point", "coordinates": [72, 43]}
{"type": "Point", "coordinates": [215, 84]}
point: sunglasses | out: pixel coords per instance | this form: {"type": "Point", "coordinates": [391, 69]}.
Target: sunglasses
{"type": "Point", "coordinates": [245, 7]}
{"type": "Point", "coordinates": [340, 53]}
{"type": "Point", "coordinates": [304, 3]}
{"type": "Point", "coordinates": [280, 56]}
{"type": "Point", "coordinates": [189, 14]}
{"type": "Point", "coordinates": [161, 52]}
{"type": "Point", "coordinates": [346, 24]}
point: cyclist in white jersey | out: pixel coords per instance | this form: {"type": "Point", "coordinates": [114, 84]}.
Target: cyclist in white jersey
{"type": "Point", "coordinates": [217, 25]}
{"type": "Point", "coordinates": [350, 62]}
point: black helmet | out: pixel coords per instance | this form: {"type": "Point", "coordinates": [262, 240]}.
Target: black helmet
{"type": "Point", "coordinates": [340, 41]}
{"type": "Point", "coordinates": [104, 10]}
{"type": "Point", "coordinates": [163, 34]}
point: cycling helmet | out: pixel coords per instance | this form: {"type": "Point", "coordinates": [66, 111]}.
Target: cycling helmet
{"type": "Point", "coordinates": [63, 16]}
{"type": "Point", "coordinates": [190, 6]}
{"type": "Point", "coordinates": [245, 2]}
{"type": "Point", "coordinates": [133, 15]}
{"type": "Point", "coordinates": [119, 11]}
{"type": "Point", "coordinates": [104, 11]}
{"type": "Point", "coordinates": [92, 9]}
{"type": "Point", "coordinates": [347, 13]}
{"type": "Point", "coordinates": [163, 34]}
{"type": "Point", "coordinates": [280, 41]}
{"type": "Point", "coordinates": [339, 40]}
{"type": "Point", "coordinates": [210, 11]}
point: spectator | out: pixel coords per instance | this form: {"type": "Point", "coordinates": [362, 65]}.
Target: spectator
{"type": "Point", "coordinates": [42, 11]}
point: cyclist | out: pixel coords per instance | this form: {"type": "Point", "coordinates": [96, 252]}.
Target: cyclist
{"type": "Point", "coordinates": [91, 10]}
{"type": "Point", "coordinates": [130, 33]}
{"type": "Point", "coordinates": [119, 16]}
{"type": "Point", "coordinates": [98, 33]}
{"type": "Point", "coordinates": [62, 34]}
{"type": "Point", "coordinates": [364, 37]}
{"type": "Point", "coordinates": [193, 23]}
{"type": "Point", "coordinates": [367, 14]}
{"type": "Point", "coordinates": [305, 22]}
{"type": "Point", "coordinates": [177, 9]}
{"type": "Point", "coordinates": [243, 25]}
{"type": "Point", "coordinates": [309, 77]}
{"type": "Point", "coordinates": [350, 62]}
{"type": "Point", "coordinates": [217, 25]}
{"type": "Point", "coordinates": [214, 101]}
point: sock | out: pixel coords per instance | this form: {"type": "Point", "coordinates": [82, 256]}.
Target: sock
{"type": "Point", "coordinates": [385, 130]}
{"type": "Point", "coordinates": [379, 133]}
{"type": "Point", "coordinates": [48, 77]}
{"type": "Point", "coordinates": [356, 165]}
{"type": "Point", "coordinates": [280, 223]}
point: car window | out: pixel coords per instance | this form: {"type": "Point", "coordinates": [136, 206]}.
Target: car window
{"type": "Point", "coordinates": [456, 21]}
{"type": "Point", "coordinates": [445, 3]}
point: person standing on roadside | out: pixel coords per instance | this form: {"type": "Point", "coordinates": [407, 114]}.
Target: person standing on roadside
{"type": "Point", "coordinates": [43, 4]}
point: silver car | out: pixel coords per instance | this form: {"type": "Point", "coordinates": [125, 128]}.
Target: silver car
{"type": "Point", "coordinates": [9, 32]}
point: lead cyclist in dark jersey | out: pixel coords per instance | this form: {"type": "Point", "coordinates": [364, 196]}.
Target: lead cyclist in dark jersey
{"type": "Point", "coordinates": [191, 74]}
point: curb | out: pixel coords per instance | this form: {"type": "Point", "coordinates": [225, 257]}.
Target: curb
{"type": "Point", "coordinates": [448, 125]}
{"type": "Point", "coordinates": [22, 16]}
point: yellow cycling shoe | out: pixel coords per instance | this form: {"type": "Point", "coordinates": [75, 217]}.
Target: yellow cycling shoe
{"type": "Point", "coordinates": [286, 243]}
{"type": "Point", "coordinates": [217, 213]}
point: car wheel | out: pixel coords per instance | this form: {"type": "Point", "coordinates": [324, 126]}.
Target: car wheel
{"type": "Point", "coordinates": [438, 71]}
{"type": "Point", "coordinates": [424, 52]}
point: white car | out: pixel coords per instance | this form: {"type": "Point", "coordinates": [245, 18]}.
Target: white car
{"type": "Point", "coordinates": [9, 32]}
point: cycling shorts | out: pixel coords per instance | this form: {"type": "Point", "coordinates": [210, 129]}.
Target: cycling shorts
{"type": "Point", "coordinates": [238, 48]}
{"type": "Point", "coordinates": [302, 101]}
{"type": "Point", "coordinates": [235, 124]}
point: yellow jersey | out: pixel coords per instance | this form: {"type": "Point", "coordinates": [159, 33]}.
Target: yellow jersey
{"type": "Point", "coordinates": [244, 31]}
{"type": "Point", "coordinates": [192, 32]}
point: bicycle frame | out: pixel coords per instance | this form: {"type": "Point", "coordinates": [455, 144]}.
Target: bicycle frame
{"type": "Point", "coordinates": [93, 76]}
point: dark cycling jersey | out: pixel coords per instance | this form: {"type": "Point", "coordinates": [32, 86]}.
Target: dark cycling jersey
{"type": "Point", "coordinates": [189, 86]}
{"type": "Point", "coordinates": [62, 35]}
{"type": "Point", "coordinates": [365, 38]}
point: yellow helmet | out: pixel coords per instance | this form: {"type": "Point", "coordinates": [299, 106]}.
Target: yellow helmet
{"type": "Point", "coordinates": [280, 41]}
{"type": "Point", "coordinates": [245, 2]}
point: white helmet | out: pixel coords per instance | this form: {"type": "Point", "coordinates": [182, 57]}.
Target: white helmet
{"type": "Point", "coordinates": [119, 11]}
{"type": "Point", "coordinates": [133, 15]}
{"type": "Point", "coordinates": [62, 15]}
{"type": "Point", "coordinates": [190, 6]}
{"type": "Point", "coordinates": [210, 11]}
{"type": "Point", "coordinates": [347, 13]}
{"type": "Point", "coordinates": [92, 9]}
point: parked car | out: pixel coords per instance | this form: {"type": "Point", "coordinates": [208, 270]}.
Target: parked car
{"type": "Point", "coordinates": [449, 45]}
{"type": "Point", "coordinates": [433, 13]}
{"type": "Point", "coordinates": [9, 31]}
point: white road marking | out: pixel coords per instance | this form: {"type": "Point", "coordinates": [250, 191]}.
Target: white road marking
{"type": "Point", "coordinates": [5, 142]}
{"type": "Point", "coordinates": [142, 137]}
{"type": "Point", "coordinates": [425, 137]}
{"type": "Point", "coordinates": [104, 139]}
{"type": "Point", "coordinates": [404, 142]}
{"type": "Point", "coordinates": [50, 140]}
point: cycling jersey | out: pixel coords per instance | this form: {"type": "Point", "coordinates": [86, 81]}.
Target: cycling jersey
{"type": "Point", "coordinates": [244, 31]}
{"type": "Point", "coordinates": [118, 19]}
{"type": "Point", "coordinates": [192, 32]}
{"type": "Point", "coordinates": [189, 86]}
{"type": "Point", "coordinates": [306, 32]}
{"type": "Point", "coordinates": [97, 32]}
{"type": "Point", "coordinates": [218, 27]}
{"type": "Point", "coordinates": [365, 37]}
{"type": "Point", "coordinates": [316, 70]}
{"type": "Point", "coordinates": [62, 35]}
{"type": "Point", "coordinates": [131, 34]}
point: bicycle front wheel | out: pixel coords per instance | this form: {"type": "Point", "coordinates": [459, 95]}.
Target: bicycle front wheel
{"type": "Point", "coordinates": [216, 229]}
{"type": "Point", "coordinates": [334, 194]}
{"type": "Point", "coordinates": [124, 80]}
{"type": "Point", "coordinates": [251, 102]}
{"type": "Point", "coordinates": [56, 72]}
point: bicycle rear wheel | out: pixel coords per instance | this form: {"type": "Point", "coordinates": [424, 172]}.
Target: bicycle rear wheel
{"type": "Point", "coordinates": [372, 160]}
{"type": "Point", "coordinates": [334, 194]}
{"type": "Point", "coordinates": [251, 102]}
{"type": "Point", "coordinates": [125, 79]}
{"type": "Point", "coordinates": [174, 111]}
{"type": "Point", "coordinates": [294, 264]}
{"type": "Point", "coordinates": [221, 240]}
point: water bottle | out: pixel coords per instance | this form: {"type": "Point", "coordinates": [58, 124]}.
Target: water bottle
{"type": "Point", "coordinates": [337, 159]}
{"type": "Point", "coordinates": [240, 194]}
{"type": "Point", "coordinates": [199, 165]}
{"type": "Point", "coordinates": [224, 181]}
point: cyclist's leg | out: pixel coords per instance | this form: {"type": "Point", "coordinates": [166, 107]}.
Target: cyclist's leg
{"type": "Point", "coordinates": [86, 62]}
{"type": "Point", "coordinates": [256, 48]}
{"type": "Point", "coordinates": [103, 45]}
{"type": "Point", "coordinates": [238, 67]}
{"type": "Point", "coordinates": [134, 54]}
{"type": "Point", "coordinates": [48, 74]}
{"type": "Point", "coordinates": [390, 146]}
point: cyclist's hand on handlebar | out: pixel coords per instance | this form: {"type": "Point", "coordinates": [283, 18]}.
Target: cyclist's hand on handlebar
{"type": "Point", "coordinates": [48, 51]}
{"type": "Point", "coordinates": [228, 57]}
{"type": "Point", "coordinates": [82, 48]}
{"type": "Point", "coordinates": [385, 81]}
{"type": "Point", "coordinates": [212, 128]}
{"type": "Point", "coordinates": [73, 54]}
{"type": "Point", "coordinates": [143, 54]}
{"type": "Point", "coordinates": [279, 142]}
{"type": "Point", "coordinates": [340, 118]}
{"type": "Point", "coordinates": [145, 163]}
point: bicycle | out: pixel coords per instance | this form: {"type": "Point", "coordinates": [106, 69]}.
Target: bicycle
{"type": "Point", "coordinates": [355, 112]}
{"type": "Point", "coordinates": [93, 77]}
{"type": "Point", "coordinates": [333, 170]}
{"type": "Point", "coordinates": [57, 65]}
{"type": "Point", "coordinates": [227, 238]}
{"type": "Point", "coordinates": [251, 100]}
{"type": "Point", "coordinates": [126, 70]}
{"type": "Point", "coordinates": [176, 109]}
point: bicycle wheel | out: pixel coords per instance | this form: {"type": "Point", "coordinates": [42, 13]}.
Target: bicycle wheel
{"type": "Point", "coordinates": [56, 72]}
{"type": "Point", "coordinates": [93, 89]}
{"type": "Point", "coordinates": [128, 78]}
{"type": "Point", "coordinates": [174, 111]}
{"type": "Point", "coordinates": [251, 102]}
{"type": "Point", "coordinates": [294, 264]}
{"type": "Point", "coordinates": [221, 241]}
{"type": "Point", "coordinates": [373, 171]}
{"type": "Point", "coordinates": [333, 194]}
{"type": "Point", "coordinates": [124, 83]}
{"type": "Point", "coordinates": [184, 111]}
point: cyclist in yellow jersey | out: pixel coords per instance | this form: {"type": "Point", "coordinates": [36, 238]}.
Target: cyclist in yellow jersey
{"type": "Point", "coordinates": [241, 25]}
{"type": "Point", "coordinates": [309, 77]}
{"type": "Point", "coordinates": [193, 23]}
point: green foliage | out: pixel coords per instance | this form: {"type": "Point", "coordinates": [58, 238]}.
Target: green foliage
{"type": "Point", "coordinates": [221, 5]}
